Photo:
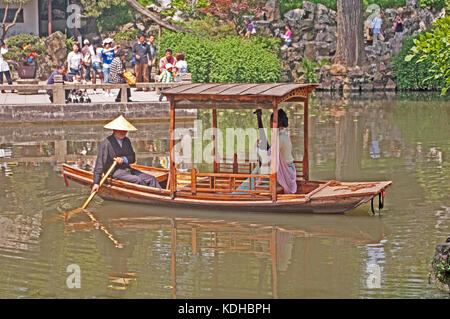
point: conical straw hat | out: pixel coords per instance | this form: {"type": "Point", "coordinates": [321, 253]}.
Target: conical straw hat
{"type": "Point", "coordinates": [121, 124]}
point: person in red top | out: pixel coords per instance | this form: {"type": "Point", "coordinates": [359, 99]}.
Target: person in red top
{"type": "Point", "coordinates": [168, 58]}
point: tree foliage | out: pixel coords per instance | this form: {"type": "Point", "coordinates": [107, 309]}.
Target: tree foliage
{"type": "Point", "coordinates": [235, 10]}
{"type": "Point", "coordinates": [95, 8]}
{"type": "Point", "coordinates": [434, 46]}
{"type": "Point", "coordinates": [438, 4]}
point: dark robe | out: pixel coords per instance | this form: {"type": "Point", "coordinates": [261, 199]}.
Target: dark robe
{"type": "Point", "coordinates": [108, 149]}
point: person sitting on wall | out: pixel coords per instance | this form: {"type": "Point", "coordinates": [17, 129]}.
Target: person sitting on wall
{"type": "Point", "coordinates": [118, 147]}
{"type": "Point", "coordinates": [62, 70]}
{"type": "Point", "coordinates": [181, 65]}
{"type": "Point", "coordinates": [168, 75]}
{"type": "Point", "coordinates": [168, 58]}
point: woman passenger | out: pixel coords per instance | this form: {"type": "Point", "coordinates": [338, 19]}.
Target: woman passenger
{"type": "Point", "coordinates": [286, 173]}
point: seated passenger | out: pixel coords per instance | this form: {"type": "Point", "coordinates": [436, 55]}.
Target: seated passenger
{"type": "Point", "coordinates": [286, 174]}
{"type": "Point", "coordinates": [118, 146]}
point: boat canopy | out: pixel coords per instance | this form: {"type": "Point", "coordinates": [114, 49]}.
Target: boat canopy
{"type": "Point", "coordinates": [237, 95]}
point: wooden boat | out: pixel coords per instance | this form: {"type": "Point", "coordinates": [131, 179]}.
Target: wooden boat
{"type": "Point", "coordinates": [219, 189]}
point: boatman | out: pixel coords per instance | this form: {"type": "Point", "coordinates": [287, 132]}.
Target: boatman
{"type": "Point", "coordinates": [118, 146]}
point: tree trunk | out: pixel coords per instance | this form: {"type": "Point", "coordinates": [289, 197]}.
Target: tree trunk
{"type": "Point", "coordinates": [6, 27]}
{"type": "Point", "coordinates": [142, 10]}
{"type": "Point", "coordinates": [350, 42]}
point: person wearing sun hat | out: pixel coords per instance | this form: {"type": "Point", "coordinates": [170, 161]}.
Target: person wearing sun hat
{"type": "Point", "coordinates": [118, 146]}
{"type": "Point", "coordinates": [167, 76]}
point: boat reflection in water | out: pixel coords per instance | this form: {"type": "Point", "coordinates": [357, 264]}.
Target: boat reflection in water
{"type": "Point", "coordinates": [185, 237]}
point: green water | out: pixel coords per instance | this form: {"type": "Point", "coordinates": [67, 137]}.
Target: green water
{"type": "Point", "coordinates": [206, 254]}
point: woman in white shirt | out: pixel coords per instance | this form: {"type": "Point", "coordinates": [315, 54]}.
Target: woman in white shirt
{"type": "Point", "coordinates": [74, 59]}
{"type": "Point", "coordinates": [96, 60]}
{"type": "Point", "coordinates": [181, 65]}
{"type": "Point", "coordinates": [286, 173]}
{"type": "Point", "coordinates": [4, 67]}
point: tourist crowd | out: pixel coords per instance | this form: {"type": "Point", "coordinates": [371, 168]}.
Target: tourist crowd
{"type": "Point", "coordinates": [105, 61]}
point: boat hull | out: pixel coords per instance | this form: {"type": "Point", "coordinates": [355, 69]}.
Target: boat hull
{"type": "Point", "coordinates": [327, 198]}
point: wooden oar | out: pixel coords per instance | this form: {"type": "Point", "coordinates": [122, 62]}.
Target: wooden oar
{"type": "Point", "coordinates": [103, 228]}
{"type": "Point", "coordinates": [76, 210]}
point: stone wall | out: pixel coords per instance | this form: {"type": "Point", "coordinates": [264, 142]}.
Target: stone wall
{"type": "Point", "coordinates": [17, 113]}
{"type": "Point", "coordinates": [314, 37]}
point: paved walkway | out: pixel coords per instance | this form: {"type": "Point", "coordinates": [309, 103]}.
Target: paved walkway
{"type": "Point", "coordinates": [96, 97]}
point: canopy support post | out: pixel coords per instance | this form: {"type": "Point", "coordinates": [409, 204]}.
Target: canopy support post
{"type": "Point", "coordinates": [305, 139]}
{"type": "Point", "coordinates": [214, 120]}
{"type": "Point", "coordinates": [172, 176]}
{"type": "Point", "coordinates": [274, 152]}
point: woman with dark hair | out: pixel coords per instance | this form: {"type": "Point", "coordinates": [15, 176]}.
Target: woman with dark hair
{"type": "Point", "coordinates": [4, 67]}
{"type": "Point", "coordinates": [287, 36]}
{"type": "Point", "coordinates": [286, 173]}
{"type": "Point", "coordinates": [116, 72]}
{"type": "Point", "coordinates": [250, 28]}
{"type": "Point", "coordinates": [96, 59]}
{"type": "Point", "coordinates": [74, 59]}
{"type": "Point", "coordinates": [181, 65]}
{"type": "Point", "coordinates": [398, 26]}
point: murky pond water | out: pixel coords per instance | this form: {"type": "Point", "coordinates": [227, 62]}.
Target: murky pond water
{"type": "Point", "coordinates": [206, 254]}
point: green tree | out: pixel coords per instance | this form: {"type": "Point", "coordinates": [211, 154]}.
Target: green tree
{"type": "Point", "coordinates": [435, 45]}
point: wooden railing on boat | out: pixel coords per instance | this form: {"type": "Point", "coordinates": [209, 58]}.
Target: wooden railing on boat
{"type": "Point", "coordinates": [223, 185]}
{"type": "Point", "coordinates": [235, 166]}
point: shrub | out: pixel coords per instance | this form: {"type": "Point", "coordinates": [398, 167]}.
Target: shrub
{"type": "Point", "coordinates": [210, 26]}
{"type": "Point", "coordinates": [309, 70]}
{"type": "Point", "coordinates": [16, 43]}
{"type": "Point", "coordinates": [231, 59]}
{"type": "Point", "coordinates": [432, 48]}
{"type": "Point", "coordinates": [69, 43]}
{"type": "Point", "coordinates": [412, 75]}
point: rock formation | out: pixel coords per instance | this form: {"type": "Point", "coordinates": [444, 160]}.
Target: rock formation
{"type": "Point", "coordinates": [314, 37]}
{"type": "Point", "coordinates": [55, 54]}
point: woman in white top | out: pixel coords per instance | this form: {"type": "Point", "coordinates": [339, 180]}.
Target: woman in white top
{"type": "Point", "coordinates": [286, 173]}
{"type": "Point", "coordinates": [74, 59]}
{"type": "Point", "coordinates": [4, 67]}
{"type": "Point", "coordinates": [181, 65]}
{"type": "Point", "coordinates": [96, 59]}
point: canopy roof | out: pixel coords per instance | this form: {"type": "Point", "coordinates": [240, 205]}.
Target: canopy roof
{"type": "Point", "coordinates": [237, 95]}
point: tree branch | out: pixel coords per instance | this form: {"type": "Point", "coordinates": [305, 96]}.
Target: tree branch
{"type": "Point", "coordinates": [5, 28]}
{"type": "Point", "coordinates": [142, 10]}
